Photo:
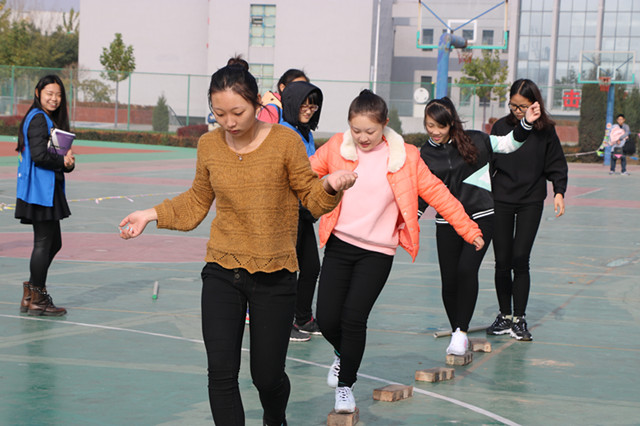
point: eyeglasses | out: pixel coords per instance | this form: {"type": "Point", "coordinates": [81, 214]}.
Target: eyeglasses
{"type": "Point", "coordinates": [308, 107]}
{"type": "Point", "coordinates": [521, 108]}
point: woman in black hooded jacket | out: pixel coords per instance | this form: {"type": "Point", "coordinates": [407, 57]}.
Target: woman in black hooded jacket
{"type": "Point", "coordinates": [301, 106]}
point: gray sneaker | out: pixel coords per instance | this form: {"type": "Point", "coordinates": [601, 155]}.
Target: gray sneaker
{"type": "Point", "coordinates": [502, 325]}
{"type": "Point", "coordinates": [298, 336]}
{"type": "Point", "coordinates": [310, 327]}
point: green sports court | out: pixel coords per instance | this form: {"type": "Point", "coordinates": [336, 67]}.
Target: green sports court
{"type": "Point", "coordinates": [122, 358]}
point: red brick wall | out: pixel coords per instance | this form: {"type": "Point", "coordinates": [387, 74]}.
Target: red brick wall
{"type": "Point", "coordinates": [103, 114]}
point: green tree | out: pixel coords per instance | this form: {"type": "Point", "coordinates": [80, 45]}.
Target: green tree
{"type": "Point", "coordinates": [160, 119]}
{"type": "Point", "coordinates": [394, 120]}
{"type": "Point", "coordinates": [119, 63]}
{"type": "Point", "coordinates": [488, 74]}
{"type": "Point", "coordinates": [593, 111]}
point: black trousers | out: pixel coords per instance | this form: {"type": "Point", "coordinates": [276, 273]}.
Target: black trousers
{"type": "Point", "coordinates": [459, 265]}
{"type": "Point", "coordinates": [309, 264]}
{"type": "Point", "coordinates": [351, 280]}
{"type": "Point", "coordinates": [47, 242]}
{"type": "Point", "coordinates": [515, 229]}
{"type": "Point", "coordinates": [271, 297]}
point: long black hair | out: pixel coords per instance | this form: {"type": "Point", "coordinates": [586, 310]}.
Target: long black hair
{"type": "Point", "coordinates": [60, 116]}
{"type": "Point", "coordinates": [444, 113]}
{"type": "Point", "coordinates": [528, 89]}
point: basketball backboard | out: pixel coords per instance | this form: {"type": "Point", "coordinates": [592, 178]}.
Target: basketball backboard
{"type": "Point", "coordinates": [597, 64]}
{"type": "Point", "coordinates": [482, 28]}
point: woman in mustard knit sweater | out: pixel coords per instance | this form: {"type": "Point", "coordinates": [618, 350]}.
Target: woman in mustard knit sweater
{"type": "Point", "coordinates": [256, 172]}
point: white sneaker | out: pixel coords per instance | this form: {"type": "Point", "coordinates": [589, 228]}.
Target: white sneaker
{"type": "Point", "coordinates": [459, 343]}
{"type": "Point", "coordinates": [345, 402]}
{"type": "Point", "coordinates": [334, 372]}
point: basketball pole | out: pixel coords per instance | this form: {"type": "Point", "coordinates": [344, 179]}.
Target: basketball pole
{"type": "Point", "coordinates": [444, 50]}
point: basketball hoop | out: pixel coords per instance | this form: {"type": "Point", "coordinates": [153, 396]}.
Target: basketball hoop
{"type": "Point", "coordinates": [464, 55]}
{"type": "Point", "coordinates": [605, 83]}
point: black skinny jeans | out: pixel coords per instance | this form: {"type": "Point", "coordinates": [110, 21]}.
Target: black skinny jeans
{"type": "Point", "coordinates": [271, 297]}
{"type": "Point", "coordinates": [459, 265]}
{"type": "Point", "coordinates": [350, 282]}
{"type": "Point", "coordinates": [512, 251]}
{"type": "Point", "coordinates": [47, 242]}
{"type": "Point", "coordinates": [309, 264]}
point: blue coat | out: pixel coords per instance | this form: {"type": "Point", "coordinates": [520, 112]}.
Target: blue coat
{"type": "Point", "coordinates": [35, 184]}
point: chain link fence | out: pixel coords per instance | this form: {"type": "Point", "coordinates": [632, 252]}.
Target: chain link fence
{"type": "Point", "coordinates": [92, 99]}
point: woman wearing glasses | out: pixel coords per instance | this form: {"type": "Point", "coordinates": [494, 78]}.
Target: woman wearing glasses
{"type": "Point", "coordinates": [301, 107]}
{"type": "Point", "coordinates": [461, 160]}
{"type": "Point", "coordinates": [519, 182]}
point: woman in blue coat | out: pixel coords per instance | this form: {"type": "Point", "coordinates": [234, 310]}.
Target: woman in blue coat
{"type": "Point", "coordinates": [40, 189]}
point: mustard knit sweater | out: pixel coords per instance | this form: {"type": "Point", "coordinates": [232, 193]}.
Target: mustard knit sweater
{"type": "Point", "coordinates": [256, 222]}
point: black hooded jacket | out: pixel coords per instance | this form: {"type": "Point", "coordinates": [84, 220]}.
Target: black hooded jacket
{"type": "Point", "coordinates": [293, 96]}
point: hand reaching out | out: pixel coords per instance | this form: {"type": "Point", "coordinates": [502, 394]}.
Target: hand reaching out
{"type": "Point", "coordinates": [133, 225]}
{"type": "Point", "coordinates": [339, 180]}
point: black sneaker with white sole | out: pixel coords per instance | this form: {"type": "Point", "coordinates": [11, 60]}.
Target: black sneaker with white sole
{"type": "Point", "coordinates": [502, 325]}
{"type": "Point", "coordinates": [519, 329]}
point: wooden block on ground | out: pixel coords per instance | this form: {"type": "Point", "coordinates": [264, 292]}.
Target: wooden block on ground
{"type": "Point", "coordinates": [392, 393]}
{"type": "Point", "coordinates": [336, 419]}
{"type": "Point", "coordinates": [437, 374]}
{"type": "Point", "coordinates": [460, 359]}
{"type": "Point", "coordinates": [479, 345]}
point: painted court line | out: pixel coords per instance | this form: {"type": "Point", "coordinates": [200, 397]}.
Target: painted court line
{"type": "Point", "coordinates": [302, 361]}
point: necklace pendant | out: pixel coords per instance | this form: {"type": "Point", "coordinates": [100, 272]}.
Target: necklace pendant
{"type": "Point", "coordinates": [239, 157]}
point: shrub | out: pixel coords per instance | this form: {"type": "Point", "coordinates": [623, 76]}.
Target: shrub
{"type": "Point", "coordinates": [194, 130]}
{"type": "Point", "coordinates": [160, 120]}
{"type": "Point", "coordinates": [417, 139]}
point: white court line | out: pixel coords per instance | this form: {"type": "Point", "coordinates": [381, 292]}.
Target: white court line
{"type": "Point", "coordinates": [302, 361]}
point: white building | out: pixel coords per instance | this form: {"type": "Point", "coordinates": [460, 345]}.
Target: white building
{"type": "Point", "coordinates": [333, 41]}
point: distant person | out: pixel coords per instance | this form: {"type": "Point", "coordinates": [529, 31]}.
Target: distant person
{"type": "Point", "coordinates": [301, 108]}
{"type": "Point", "coordinates": [461, 160]}
{"type": "Point", "coordinates": [362, 234]}
{"type": "Point", "coordinates": [271, 112]}
{"type": "Point", "coordinates": [618, 137]}
{"type": "Point", "coordinates": [519, 186]}
{"type": "Point", "coordinates": [41, 200]}
{"type": "Point", "coordinates": [256, 172]}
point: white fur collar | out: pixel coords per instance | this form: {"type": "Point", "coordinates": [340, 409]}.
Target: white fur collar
{"type": "Point", "coordinates": [397, 153]}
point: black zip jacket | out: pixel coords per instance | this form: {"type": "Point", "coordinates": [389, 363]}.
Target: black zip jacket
{"type": "Point", "coordinates": [470, 183]}
{"type": "Point", "coordinates": [521, 177]}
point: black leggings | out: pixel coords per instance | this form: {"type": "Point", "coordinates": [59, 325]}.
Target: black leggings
{"type": "Point", "coordinates": [350, 282]}
{"type": "Point", "coordinates": [459, 266]}
{"type": "Point", "coordinates": [47, 242]}
{"type": "Point", "coordinates": [309, 264]}
{"type": "Point", "coordinates": [512, 252]}
{"type": "Point", "coordinates": [271, 297]}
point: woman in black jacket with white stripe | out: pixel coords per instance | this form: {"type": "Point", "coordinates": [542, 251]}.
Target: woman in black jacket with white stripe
{"type": "Point", "coordinates": [519, 190]}
{"type": "Point", "coordinates": [461, 160]}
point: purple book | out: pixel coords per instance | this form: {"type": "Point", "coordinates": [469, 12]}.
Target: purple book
{"type": "Point", "coordinates": [61, 141]}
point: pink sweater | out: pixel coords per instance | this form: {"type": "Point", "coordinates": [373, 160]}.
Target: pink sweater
{"type": "Point", "coordinates": [369, 215]}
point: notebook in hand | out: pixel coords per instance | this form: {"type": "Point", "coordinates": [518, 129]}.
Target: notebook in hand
{"type": "Point", "coordinates": [61, 141]}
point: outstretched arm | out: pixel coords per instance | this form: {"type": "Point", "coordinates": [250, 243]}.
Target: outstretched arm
{"type": "Point", "coordinates": [135, 223]}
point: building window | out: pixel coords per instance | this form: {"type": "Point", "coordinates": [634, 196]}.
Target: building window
{"type": "Point", "coordinates": [262, 30]}
{"type": "Point", "coordinates": [427, 37]}
{"type": "Point", "coordinates": [487, 37]}
{"type": "Point", "coordinates": [467, 35]}
{"type": "Point", "coordinates": [263, 74]}
{"type": "Point", "coordinates": [426, 81]}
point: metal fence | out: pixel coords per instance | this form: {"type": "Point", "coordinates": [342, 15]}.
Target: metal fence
{"type": "Point", "coordinates": [91, 97]}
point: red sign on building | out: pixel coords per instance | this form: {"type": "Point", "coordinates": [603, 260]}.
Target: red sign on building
{"type": "Point", "coordinates": [571, 98]}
